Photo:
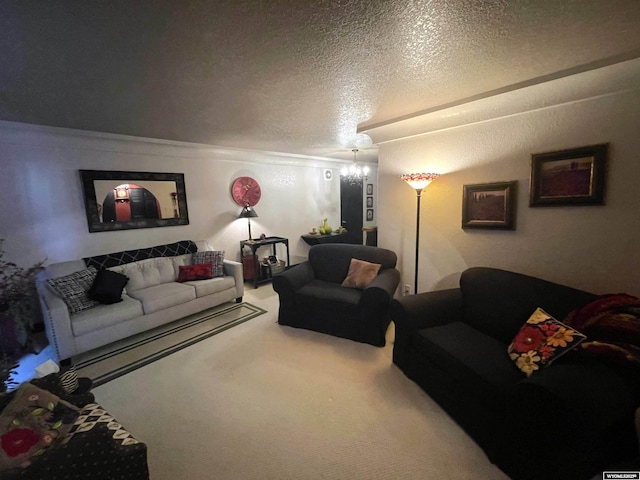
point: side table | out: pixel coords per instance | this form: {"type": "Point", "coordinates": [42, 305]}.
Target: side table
{"type": "Point", "coordinates": [254, 245]}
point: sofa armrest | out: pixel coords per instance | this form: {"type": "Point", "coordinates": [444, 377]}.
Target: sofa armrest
{"type": "Point", "coordinates": [234, 269]}
{"type": "Point", "coordinates": [429, 309]}
{"type": "Point", "coordinates": [57, 321]}
{"type": "Point", "coordinates": [291, 280]}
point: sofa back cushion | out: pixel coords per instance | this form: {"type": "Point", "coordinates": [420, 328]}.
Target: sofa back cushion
{"type": "Point", "coordinates": [499, 302]}
{"type": "Point", "coordinates": [330, 261]}
{"type": "Point", "coordinates": [152, 271]}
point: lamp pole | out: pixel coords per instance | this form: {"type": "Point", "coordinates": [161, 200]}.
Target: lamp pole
{"type": "Point", "coordinates": [418, 181]}
{"type": "Point", "coordinates": [415, 280]}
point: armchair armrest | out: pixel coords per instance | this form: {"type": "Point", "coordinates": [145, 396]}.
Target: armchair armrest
{"type": "Point", "coordinates": [379, 292]}
{"type": "Point", "coordinates": [429, 309]}
{"type": "Point", "coordinates": [293, 279]}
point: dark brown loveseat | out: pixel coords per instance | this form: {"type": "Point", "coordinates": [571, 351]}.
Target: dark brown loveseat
{"type": "Point", "coordinates": [570, 420]}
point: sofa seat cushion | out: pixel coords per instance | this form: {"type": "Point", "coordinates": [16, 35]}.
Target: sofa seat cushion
{"type": "Point", "coordinates": [212, 285]}
{"type": "Point", "coordinates": [103, 316]}
{"type": "Point", "coordinates": [476, 361]}
{"type": "Point", "coordinates": [165, 295]}
{"type": "Point", "coordinates": [330, 297]}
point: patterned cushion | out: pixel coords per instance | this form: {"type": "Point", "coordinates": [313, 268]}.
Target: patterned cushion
{"type": "Point", "coordinates": [612, 323]}
{"type": "Point", "coordinates": [74, 289]}
{"type": "Point", "coordinates": [361, 273]}
{"type": "Point", "coordinates": [94, 414]}
{"type": "Point", "coordinates": [541, 340]}
{"type": "Point", "coordinates": [189, 273]}
{"type": "Point", "coordinates": [69, 380]}
{"type": "Point", "coordinates": [34, 421]}
{"type": "Point", "coordinates": [214, 257]}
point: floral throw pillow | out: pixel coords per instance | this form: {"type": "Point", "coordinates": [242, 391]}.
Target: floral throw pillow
{"type": "Point", "coordinates": [34, 421]}
{"type": "Point", "coordinates": [542, 340]}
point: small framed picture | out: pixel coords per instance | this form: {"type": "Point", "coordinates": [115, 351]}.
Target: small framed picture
{"type": "Point", "coordinates": [489, 205]}
{"type": "Point", "coordinates": [369, 214]}
{"type": "Point", "coordinates": [369, 188]}
{"type": "Point", "coordinates": [369, 202]}
{"type": "Point", "coordinates": [568, 177]}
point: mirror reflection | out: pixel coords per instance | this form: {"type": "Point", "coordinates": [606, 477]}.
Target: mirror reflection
{"type": "Point", "coordinates": [136, 201]}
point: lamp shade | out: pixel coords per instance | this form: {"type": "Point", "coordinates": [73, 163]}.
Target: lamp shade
{"type": "Point", "coordinates": [419, 180]}
{"type": "Point", "coordinates": [248, 212]}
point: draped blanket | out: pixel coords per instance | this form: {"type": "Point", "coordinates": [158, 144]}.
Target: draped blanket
{"type": "Point", "coordinates": [612, 326]}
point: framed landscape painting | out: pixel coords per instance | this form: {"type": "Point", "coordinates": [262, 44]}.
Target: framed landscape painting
{"type": "Point", "coordinates": [568, 177]}
{"type": "Point", "coordinates": [489, 205]}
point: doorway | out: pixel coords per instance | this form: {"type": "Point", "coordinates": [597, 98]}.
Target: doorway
{"type": "Point", "coordinates": [351, 209]}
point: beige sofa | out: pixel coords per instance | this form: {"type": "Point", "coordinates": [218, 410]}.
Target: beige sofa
{"type": "Point", "coordinates": [152, 297]}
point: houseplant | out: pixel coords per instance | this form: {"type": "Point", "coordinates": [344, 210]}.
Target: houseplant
{"type": "Point", "coordinates": [19, 304]}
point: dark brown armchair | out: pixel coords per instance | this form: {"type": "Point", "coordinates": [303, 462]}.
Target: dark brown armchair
{"type": "Point", "coordinates": [312, 296]}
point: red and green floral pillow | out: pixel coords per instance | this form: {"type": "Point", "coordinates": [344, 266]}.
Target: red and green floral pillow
{"type": "Point", "coordinates": [541, 340]}
{"type": "Point", "coordinates": [32, 422]}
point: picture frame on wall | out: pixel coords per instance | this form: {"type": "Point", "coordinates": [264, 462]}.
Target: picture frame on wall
{"type": "Point", "coordinates": [369, 202]}
{"type": "Point", "coordinates": [489, 205]}
{"type": "Point", "coordinates": [568, 177]}
{"type": "Point", "coordinates": [369, 214]}
{"type": "Point", "coordinates": [369, 188]}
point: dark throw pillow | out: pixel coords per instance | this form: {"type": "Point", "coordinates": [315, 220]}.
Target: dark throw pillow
{"type": "Point", "coordinates": [188, 273]}
{"type": "Point", "coordinates": [107, 287]}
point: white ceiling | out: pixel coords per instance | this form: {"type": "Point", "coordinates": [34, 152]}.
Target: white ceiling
{"type": "Point", "coordinates": [289, 76]}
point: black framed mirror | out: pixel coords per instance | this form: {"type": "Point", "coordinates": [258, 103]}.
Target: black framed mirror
{"type": "Point", "coordinates": [119, 200]}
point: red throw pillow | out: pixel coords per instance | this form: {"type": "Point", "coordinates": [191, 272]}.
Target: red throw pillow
{"type": "Point", "coordinates": [201, 271]}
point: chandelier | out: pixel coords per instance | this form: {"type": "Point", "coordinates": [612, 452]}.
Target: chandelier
{"type": "Point", "coordinates": [354, 173]}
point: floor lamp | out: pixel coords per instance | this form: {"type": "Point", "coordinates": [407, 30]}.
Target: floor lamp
{"type": "Point", "coordinates": [418, 181]}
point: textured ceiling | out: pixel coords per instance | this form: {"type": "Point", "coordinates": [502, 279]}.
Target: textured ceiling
{"type": "Point", "coordinates": [286, 75]}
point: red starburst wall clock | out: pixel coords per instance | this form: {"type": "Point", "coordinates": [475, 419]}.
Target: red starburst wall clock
{"type": "Point", "coordinates": [245, 191]}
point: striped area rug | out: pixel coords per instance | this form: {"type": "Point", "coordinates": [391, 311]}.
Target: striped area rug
{"type": "Point", "coordinates": [107, 363]}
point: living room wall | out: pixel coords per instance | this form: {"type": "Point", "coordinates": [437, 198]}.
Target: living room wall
{"type": "Point", "coordinates": [43, 215]}
{"type": "Point", "coordinates": [589, 247]}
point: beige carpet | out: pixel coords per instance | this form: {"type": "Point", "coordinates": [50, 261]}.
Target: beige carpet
{"type": "Point", "coordinates": [263, 401]}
